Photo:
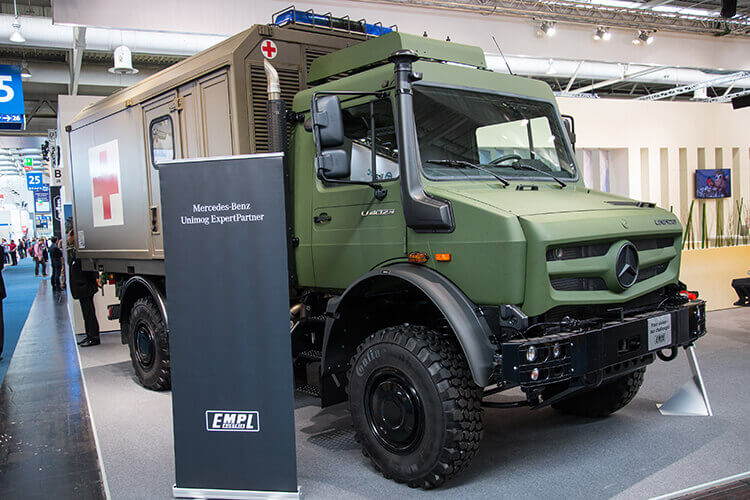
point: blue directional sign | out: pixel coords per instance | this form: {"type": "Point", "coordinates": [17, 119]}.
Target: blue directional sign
{"type": "Point", "coordinates": [35, 181]}
{"type": "Point", "coordinates": [11, 97]}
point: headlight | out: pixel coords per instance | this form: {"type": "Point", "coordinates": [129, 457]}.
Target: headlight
{"type": "Point", "coordinates": [531, 354]}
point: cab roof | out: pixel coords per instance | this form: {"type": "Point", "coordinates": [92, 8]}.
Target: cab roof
{"type": "Point", "coordinates": [377, 50]}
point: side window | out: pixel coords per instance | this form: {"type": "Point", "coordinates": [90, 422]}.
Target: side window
{"type": "Point", "coordinates": [161, 133]}
{"type": "Point", "coordinates": [358, 133]}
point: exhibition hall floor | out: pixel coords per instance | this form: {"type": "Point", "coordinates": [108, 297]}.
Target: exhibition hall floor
{"type": "Point", "coordinates": [636, 453]}
{"type": "Point", "coordinates": [50, 448]}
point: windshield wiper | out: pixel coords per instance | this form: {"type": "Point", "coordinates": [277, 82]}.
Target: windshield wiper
{"type": "Point", "coordinates": [519, 165]}
{"type": "Point", "coordinates": [465, 164]}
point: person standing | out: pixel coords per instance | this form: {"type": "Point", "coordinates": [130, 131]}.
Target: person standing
{"type": "Point", "coordinates": [83, 286]}
{"type": "Point", "coordinates": [41, 256]}
{"type": "Point", "coordinates": [56, 260]}
{"type": "Point", "coordinates": [13, 257]}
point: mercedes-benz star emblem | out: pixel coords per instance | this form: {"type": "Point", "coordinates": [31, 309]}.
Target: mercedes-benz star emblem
{"type": "Point", "coordinates": [626, 265]}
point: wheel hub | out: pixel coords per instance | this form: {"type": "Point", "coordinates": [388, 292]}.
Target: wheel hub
{"type": "Point", "coordinates": [144, 346]}
{"type": "Point", "coordinates": [394, 410]}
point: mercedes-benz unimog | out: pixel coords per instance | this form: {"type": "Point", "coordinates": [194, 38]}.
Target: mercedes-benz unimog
{"type": "Point", "coordinates": [443, 246]}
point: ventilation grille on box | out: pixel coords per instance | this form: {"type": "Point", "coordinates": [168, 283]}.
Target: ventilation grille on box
{"type": "Point", "coordinates": [289, 80]}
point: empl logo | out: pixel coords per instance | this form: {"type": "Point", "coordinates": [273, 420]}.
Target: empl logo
{"type": "Point", "coordinates": [232, 421]}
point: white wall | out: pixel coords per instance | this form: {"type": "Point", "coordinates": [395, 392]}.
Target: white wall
{"type": "Point", "coordinates": [657, 146]}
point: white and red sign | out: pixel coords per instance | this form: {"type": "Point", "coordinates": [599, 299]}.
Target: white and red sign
{"type": "Point", "coordinates": [269, 49]}
{"type": "Point", "coordinates": [106, 187]}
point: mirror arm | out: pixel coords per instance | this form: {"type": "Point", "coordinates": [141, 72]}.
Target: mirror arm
{"type": "Point", "coordinates": [380, 191]}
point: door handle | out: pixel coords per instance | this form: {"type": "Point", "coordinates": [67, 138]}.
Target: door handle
{"type": "Point", "coordinates": [324, 217]}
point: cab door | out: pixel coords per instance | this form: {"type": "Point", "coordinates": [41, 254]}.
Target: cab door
{"type": "Point", "coordinates": [352, 230]}
{"type": "Point", "coordinates": [162, 144]}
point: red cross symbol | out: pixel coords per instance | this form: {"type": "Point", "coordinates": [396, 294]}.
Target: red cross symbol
{"type": "Point", "coordinates": [105, 186]}
{"type": "Point", "coordinates": [269, 49]}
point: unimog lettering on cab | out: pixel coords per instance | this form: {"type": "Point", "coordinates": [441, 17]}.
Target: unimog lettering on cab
{"type": "Point", "coordinates": [443, 246]}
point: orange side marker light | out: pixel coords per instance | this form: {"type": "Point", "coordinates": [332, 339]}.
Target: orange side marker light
{"type": "Point", "coordinates": [418, 257]}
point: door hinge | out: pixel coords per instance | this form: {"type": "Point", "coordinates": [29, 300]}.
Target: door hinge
{"type": "Point", "coordinates": [178, 104]}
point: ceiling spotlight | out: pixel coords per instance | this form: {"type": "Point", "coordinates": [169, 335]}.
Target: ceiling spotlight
{"type": "Point", "coordinates": [547, 28]}
{"type": "Point", "coordinates": [602, 33]}
{"type": "Point", "coordinates": [16, 36]}
{"type": "Point", "coordinates": [25, 72]}
{"type": "Point", "coordinates": [643, 38]}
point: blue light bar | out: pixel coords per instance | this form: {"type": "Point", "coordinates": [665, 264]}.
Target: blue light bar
{"type": "Point", "coordinates": [310, 18]}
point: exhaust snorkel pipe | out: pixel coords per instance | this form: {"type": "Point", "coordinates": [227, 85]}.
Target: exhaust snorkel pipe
{"type": "Point", "coordinates": [422, 213]}
{"type": "Point", "coordinates": [277, 142]}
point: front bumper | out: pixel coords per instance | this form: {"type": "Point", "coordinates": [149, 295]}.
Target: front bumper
{"type": "Point", "coordinates": [593, 355]}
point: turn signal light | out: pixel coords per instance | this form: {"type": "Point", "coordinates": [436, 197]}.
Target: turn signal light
{"type": "Point", "coordinates": [418, 257]}
{"type": "Point", "coordinates": [443, 257]}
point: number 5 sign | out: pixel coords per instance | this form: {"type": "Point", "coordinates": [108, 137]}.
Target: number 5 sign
{"type": "Point", "coordinates": [11, 91]}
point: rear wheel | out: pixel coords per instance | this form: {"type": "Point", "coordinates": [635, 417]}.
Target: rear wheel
{"type": "Point", "coordinates": [149, 345]}
{"type": "Point", "coordinates": [416, 410]}
{"type": "Point", "coordinates": [605, 399]}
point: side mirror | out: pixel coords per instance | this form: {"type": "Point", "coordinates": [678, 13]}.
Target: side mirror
{"type": "Point", "coordinates": [328, 120]}
{"type": "Point", "coordinates": [570, 128]}
{"type": "Point", "coordinates": [332, 161]}
{"type": "Point", "coordinates": [333, 164]}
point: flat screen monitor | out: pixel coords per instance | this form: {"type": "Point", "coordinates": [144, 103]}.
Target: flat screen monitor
{"type": "Point", "coordinates": [715, 183]}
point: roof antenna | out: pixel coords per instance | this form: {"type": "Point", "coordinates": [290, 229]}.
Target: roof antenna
{"type": "Point", "coordinates": [501, 53]}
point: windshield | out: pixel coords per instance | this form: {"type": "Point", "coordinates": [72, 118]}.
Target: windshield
{"type": "Point", "coordinates": [500, 133]}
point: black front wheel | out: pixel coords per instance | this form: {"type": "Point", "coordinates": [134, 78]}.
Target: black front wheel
{"type": "Point", "coordinates": [416, 410]}
{"type": "Point", "coordinates": [149, 345]}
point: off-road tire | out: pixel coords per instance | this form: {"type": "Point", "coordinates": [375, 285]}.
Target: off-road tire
{"type": "Point", "coordinates": [605, 399]}
{"type": "Point", "coordinates": [156, 375]}
{"type": "Point", "coordinates": [450, 401]}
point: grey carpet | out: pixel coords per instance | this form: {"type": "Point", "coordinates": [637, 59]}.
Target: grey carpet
{"type": "Point", "coordinates": [636, 453]}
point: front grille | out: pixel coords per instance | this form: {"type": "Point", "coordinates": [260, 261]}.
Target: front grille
{"type": "Point", "coordinates": [578, 284]}
{"type": "Point", "coordinates": [598, 249]}
{"type": "Point", "coordinates": [650, 272]}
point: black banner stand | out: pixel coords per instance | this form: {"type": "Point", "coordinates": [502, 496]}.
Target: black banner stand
{"type": "Point", "coordinates": [227, 288]}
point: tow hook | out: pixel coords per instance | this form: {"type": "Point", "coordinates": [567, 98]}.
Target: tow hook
{"type": "Point", "coordinates": [667, 357]}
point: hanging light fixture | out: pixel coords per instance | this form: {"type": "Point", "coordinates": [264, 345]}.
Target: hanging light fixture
{"type": "Point", "coordinates": [16, 36]}
{"type": "Point", "coordinates": [25, 72]}
{"type": "Point", "coordinates": [602, 33]}
{"type": "Point", "coordinates": [123, 62]}
{"type": "Point", "coordinates": [547, 28]}
{"type": "Point", "coordinates": [644, 37]}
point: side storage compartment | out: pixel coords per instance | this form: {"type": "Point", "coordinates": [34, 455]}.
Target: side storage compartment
{"type": "Point", "coordinates": [108, 176]}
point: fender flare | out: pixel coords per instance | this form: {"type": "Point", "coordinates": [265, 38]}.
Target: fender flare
{"type": "Point", "coordinates": [151, 288]}
{"type": "Point", "coordinates": [465, 318]}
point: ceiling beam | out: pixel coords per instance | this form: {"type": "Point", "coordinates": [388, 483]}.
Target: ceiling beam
{"type": "Point", "coordinates": [741, 75]}
{"type": "Point", "coordinates": [79, 44]}
{"type": "Point", "coordinates": [573, 77]}
{"type": "Point", "coordinates": [622, 78]}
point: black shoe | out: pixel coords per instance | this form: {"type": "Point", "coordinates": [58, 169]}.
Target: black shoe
{"type": "Point", "coordinates": [89, 342]}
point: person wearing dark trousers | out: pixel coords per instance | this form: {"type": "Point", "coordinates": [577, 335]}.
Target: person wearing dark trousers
{"type": "Point", "coordinates": [83, 286]}
{"type": "Point", "coordinates": [56, 259]}
{"type": "Point", "coordinates": [2, 297]}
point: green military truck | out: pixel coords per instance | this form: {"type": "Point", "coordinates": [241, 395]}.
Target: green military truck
{"type": "Point", "coordinates": [443, 245]}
